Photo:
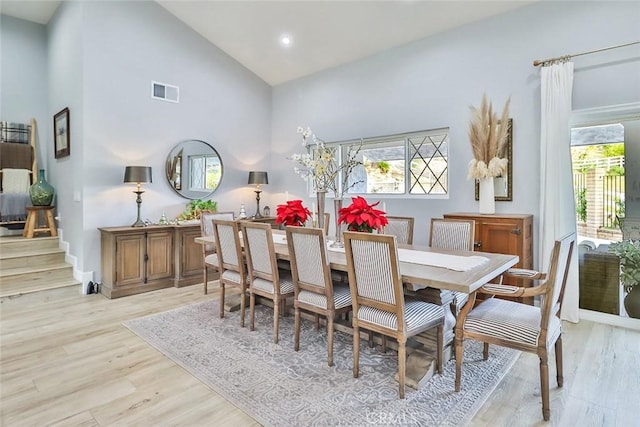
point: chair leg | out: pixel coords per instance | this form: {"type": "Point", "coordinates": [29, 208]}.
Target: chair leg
{"type": "Point", "coordinates": [221, 299]}
{"type": "Point", "coordinates": [459, 353]}
{"type": "Point", "coordinates": [371, 343]}
{"type": "Point", "coordinates": [440, 349]}
{"type": "Point", "coordinates": [296, 333]}
{"type": "Point", "coordinates": [330, 338]}
{"type": "Point", "coordinates": [402, 364]}
{"type": "Point", "coordinates": [356, 351]}
{"type": "Point", "coordinates": [544, 387]}
{"type": "Point", "coordinates": [243, 304]}
{"type": "Point", "coordinates": [485, 351]}
{"type": "Point", "coordinates": [206, 281]}
{"type": "Point", "coordinates": [384, 343]}
{"type": "Point", "coordinates": [276, 320]}
{"type": "Point", "coordinates": [252, 303]}
{"type": "Point", "coordinates": [317, 322]}
{"type": "Point", "coordinates": [559, 370]}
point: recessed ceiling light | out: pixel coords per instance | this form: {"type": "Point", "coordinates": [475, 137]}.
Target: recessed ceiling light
{"type": "Point", "coordinates": [285, 40]}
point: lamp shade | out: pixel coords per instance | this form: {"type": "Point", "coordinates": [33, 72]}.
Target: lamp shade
{"type": "Point", "coordinates": [258, 178]}
{"type": "Point", "coordinates": [137, 174]}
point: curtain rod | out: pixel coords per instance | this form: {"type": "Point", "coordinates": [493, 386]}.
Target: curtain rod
{"type": "Point", "coordinates": [545, 61]}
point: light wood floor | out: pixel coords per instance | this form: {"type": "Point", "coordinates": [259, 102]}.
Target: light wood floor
{"type": "Point", "coordinates": [66, 360]}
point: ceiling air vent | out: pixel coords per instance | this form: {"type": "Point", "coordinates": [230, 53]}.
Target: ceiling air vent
{"type": "Point", "coordinates": [164, 91]}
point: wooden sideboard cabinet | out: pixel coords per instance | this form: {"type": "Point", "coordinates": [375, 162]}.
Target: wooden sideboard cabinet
{"type": "Point", "coordinates": [142, 259]}
{"type": "Point", "coordinates": [136, 259]}
{"type": "Point", "coordinates": [506, 234]}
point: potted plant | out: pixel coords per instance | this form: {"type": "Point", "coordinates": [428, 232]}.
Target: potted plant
{"type": "Point", "coordinates": [292, 213]}
{"type": "Point", "coordinates": [195, 207]}
{"type": "Point", "coordinates": [629, 253]}
{"type": "Point", "coordinates": [363, 217]}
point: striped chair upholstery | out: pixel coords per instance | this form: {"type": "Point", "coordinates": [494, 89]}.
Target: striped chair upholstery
{"type": "Point", "coordinates": [230, 262]}
{"type": "Point", "coordinates": [265, 278]}
{"type": "Point", "coordinates": [452, 234]}
{"type": "Point", "coordinates": [314, 289]}
{"type": "Point", "coordinates": [523, 327]}
{"type": "Point", "coordinates": [208, 251]}
{"type": "Point", "coordinates": [401, 227]}
{"type": "Point", "coordinates": [378, 298]}
{"type": "Point", "coordinates": [457, 234]}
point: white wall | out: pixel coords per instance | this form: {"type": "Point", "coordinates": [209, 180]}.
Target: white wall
{"type": "Point", "coordinates": [432, 82]}
{"type": "Point", "coordinates": [23, 78]}
{"type": "Point", "coordinates": [123, 47]}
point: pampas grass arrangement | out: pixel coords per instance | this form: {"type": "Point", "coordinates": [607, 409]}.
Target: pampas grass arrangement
{"type": "Point", "coordinates": [488, 140]}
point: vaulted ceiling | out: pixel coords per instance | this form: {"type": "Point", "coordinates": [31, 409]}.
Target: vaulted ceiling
{"type": "Point", "coordinates": [323, 34]}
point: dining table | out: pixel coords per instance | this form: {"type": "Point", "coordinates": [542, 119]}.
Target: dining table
{"type": "Point", "coordinates": [422, 268]}
{"type": "Point", "coordinates": [416, 272]}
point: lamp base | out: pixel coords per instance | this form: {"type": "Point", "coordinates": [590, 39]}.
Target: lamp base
{"type": "Point", "coordinates": [139, 222]}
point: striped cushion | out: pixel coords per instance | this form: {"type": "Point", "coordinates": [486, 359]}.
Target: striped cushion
{"type": "Point", "coordinates": [418, 315]}
{"type": "Point", "coordinates": [341, 297]}
{"type": "Point", "coordinates": [286, 284]}
{"type": "Point", "coordinates": [460, 299]}
{"type": "Point", "coordinates": [512, 321]}
{"type": "Point", "coordinates": [232, 276]}
{"type": "Point", "coordinates": [211, 260]}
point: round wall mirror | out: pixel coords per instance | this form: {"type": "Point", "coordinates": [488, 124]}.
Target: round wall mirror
{"type": "Point", "coordinates": [194, 169]}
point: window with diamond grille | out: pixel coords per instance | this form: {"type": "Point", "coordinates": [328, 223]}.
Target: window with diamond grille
{"type": "Point", "coordinates": [413, 163]}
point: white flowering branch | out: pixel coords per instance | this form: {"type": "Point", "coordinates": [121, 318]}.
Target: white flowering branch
{"type": "Point", "coordinates": [323, 168]}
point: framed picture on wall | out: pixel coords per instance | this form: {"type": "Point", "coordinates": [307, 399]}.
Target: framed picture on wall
{"type": "Point", "coordinates": [61, 134]}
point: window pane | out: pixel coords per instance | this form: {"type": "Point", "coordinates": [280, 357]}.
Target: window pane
{"type": "Point", "coordinates": [429, 163]}
{"type": "Point", "coordinates": [382, 170]}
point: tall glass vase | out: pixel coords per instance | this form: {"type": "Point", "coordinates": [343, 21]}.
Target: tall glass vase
{"type": "Point", "coordinates": [337, 205]}
{"type": "Point", "coordinates": [320, 195]}
{"type": "Point", "coordinates": [41, 192]}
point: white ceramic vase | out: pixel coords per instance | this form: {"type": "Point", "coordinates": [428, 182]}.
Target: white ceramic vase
{"type": "Point", "coordinates": [487, 197]}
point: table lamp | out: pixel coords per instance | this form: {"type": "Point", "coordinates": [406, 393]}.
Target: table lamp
{"type": "Point", "coordinates": [138, 175]}
{"type": "Point", "coordinates": [258, 178]}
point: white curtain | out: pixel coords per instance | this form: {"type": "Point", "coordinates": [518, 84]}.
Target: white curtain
{"type": "Point", "coordinates": [557, 203]}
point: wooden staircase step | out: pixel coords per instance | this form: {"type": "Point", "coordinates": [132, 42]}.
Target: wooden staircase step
{"type": "Point", "coordinates": [27, 287]}
{"type": "Point", "coordinates": [12, 244]}
{"type": "Point", "coordinates": [31, 265]}
{"type": "Point", "coordinates": [28, 258]}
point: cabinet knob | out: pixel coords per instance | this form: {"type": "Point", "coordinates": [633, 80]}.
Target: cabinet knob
{"type": "Point", "coordinates": [516, 231]}
{"type": "Point", "coordinates": [477, 245]}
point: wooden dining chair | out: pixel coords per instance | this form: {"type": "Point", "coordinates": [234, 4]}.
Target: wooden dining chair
{"type": "Point", "coordinates": [378, 298]}
{"type": "Point", "coordinates": [265, 279]}
{"type": "Point", "coordinates": [521, 326]}
{"type": "Point", "coordinates": [314, 290]}
{"type": "Point", "coordinates": [401, 227]}
{"type": "Point", "coordinates": [457, 234]}
{"type": "Point", "coordinates": [210, 259]}
{"type": "Point", "coordinates": [231, 263]}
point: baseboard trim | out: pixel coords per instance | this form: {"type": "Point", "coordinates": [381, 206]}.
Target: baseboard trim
{"type": "Point", "coordinates": [610, 319]}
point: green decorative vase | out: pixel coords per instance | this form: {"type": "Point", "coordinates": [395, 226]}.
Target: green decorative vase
{"type": "Point", "coordinates": [41, 192]}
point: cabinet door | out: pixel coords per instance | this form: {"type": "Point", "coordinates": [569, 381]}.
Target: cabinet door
{"type": "Point", "coordinates": [130, 254]}
{"type": "Point", "coordinates": [191, 260]}
{"type": "Point", "coordinates": [500, 238]}
{"type": "Point", "coordinates": [159, 253]}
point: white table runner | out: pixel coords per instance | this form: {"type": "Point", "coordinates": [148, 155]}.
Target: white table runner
{"type": "Point", "coordinates": [280, 239]}
{"type": "Point", "coordinates": [433, 259]}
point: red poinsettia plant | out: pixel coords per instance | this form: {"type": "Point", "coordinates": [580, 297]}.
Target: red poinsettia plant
{"type": "Point", "coordinates": [293, 213]}
{"type": "Point", "coordinates": [361, 216]}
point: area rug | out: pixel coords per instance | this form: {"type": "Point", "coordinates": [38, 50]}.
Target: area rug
{"type": "Point", "coordinates": [280, 387]}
